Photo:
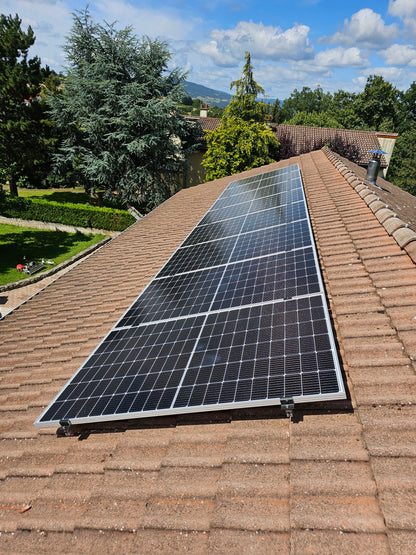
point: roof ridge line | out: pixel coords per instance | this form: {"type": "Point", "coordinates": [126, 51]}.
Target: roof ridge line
{"type": "Point", "coordinates": [397, 228]}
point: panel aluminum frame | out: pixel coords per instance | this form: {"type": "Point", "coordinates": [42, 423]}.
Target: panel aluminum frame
{"type": "Point", "coordinates": [256, 332]}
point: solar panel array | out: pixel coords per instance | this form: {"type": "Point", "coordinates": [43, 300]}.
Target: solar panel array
{"type": "Point", "coordinates": [237, 317]}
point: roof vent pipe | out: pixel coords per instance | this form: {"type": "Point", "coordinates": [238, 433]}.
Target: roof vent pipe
{"type": "Point", "coordinates": [372, 171]}
{"type": "Point", "coordinates": [374, 166]}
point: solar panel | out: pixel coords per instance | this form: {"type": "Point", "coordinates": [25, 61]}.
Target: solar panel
{"type": "Point", "coordinates": [237, 317]}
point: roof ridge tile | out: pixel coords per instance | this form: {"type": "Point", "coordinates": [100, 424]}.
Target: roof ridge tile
{"type": "Point", "coordinates": [396, 228]}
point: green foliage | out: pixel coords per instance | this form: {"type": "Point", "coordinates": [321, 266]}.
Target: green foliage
{"type": "Point", "coordinates": [238, 145]}
{"type": "Point", "coordinates": [67, 213]}
{"type": "Point", "coordinates": [276, 112]}
{"type": "Point", "coordinates": [242, 141]}
{"type": "Point", "coordinates": [402, 168]}
{"type": "Point", "coordinates": [215, 112]}
{"type": "Point", "coordinates": [378, 106]}
{"type": "Point", "coordinates": [117, 114]}
{"type": "Point", "coordinates": [306, 100]}
{"type": "Point", "coordinates": [244, 103]}
{"type": "Point", "coordinates": [343, 109]}
{"type": "Point", "coordinates": [315, 119]}
{"type": "Point", "coordinates": [26, 134]}
{"type": "Point", "coordinates": [408, 112]}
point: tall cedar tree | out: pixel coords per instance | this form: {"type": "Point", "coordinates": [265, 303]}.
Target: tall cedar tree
{"type": "Point", "coordinates": [25, 132]}
{"type": "Point", "coordinates": [117, 114]}
{"type": "Point", "coordinates": [242, 141]}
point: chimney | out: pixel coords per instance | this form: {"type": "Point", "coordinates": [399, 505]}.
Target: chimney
{"type": "Point", "coordinates": [203, 112]}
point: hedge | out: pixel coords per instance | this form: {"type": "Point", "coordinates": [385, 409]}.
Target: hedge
{"type": "Point", "coordinates": [66, 213]}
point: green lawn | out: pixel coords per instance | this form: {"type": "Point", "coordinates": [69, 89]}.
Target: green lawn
{"type": "Point", "coordinates": [74, 196]}
{"type": "Point", "coordinates": [35, 244]}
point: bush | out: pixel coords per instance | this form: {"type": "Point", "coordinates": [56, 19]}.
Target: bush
{"type": "Point", "coordinates": [68, 214]}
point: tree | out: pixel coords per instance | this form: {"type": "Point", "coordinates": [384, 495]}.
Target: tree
{"type": "Point", "coordinates": [378, 106]}
{"type": "Point", "coordinates": [306, 100]}
{"type": "Point", "coordinates": [408, 111]}
{"type": "Point", "coordinates": [242, 141]}
{"type": "Point", "coordinates": [117, 114]}
{"type": "Point", "coordinates": [25, 131]}
{"type": "Point", "coordinates": [315, 119]}
{"type": "Point", "coordinates": [238, 145]}
{"type": "Point", "coordinates": [215, 112]}
{"type": "Point", "coordinates": [244, 104]}
{"type": "Point", "coordinates": [186, 100]}
{"type": "Point", "coordinates": [402, 168]}
{"type": "Point", "coordinates": [277, 113]}
{"type": "Point", "coordinates": [343, 109]}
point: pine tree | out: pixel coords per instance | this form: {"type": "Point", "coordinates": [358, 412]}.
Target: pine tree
{"type": "Point", "coordinates": [244, 104]}
{"type": "Point", "coordinates": [242, 141]}
{"type": "Point", "coordinates": [24, 128]}
{"type": "Point", "coordinates": [117, 114]}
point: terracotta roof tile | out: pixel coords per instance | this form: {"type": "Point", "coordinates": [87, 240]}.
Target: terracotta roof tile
{"type": "Point", "coordinates": [305, 138]}
{"type": "Point", "coordinates": [337, 541]}
{"type": "Point", "coordinates": [335, 478]}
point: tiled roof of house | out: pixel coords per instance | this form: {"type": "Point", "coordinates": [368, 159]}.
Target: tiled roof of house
{"type": "Point", "coordinates": [310, 138]}
{"type": "Point", "coordinates": [207, 124]}
{"type": "Point", "coordinates": [337, 478]}
{"type": "Point", "coordinates": [305, 139]}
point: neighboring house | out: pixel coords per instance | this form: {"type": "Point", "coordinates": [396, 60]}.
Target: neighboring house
{"type": "Point", "coordinates": [297, 139]}
{"type": "Point", "coordinates": [337, 478]}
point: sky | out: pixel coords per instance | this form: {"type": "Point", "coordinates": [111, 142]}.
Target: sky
{"type": "Point", "coordinates": [296, 43]}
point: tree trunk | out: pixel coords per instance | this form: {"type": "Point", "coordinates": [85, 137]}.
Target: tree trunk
{"type": "Point", "coordinates": [13, 187]}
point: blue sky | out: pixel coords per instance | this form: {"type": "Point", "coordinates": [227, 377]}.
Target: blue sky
{"type": "Point", "coordinates": [336, 45]}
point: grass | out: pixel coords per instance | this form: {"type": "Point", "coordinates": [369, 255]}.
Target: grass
{"type": "Point", "coordinates": [74, 196]}
{"type": "Point", "coordinates": [17, 242]}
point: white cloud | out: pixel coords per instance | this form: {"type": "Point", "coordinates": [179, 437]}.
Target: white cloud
{"type": "Point", "coordinates": [50, 20]}
{"type": "Point", "coordinates": [402, 8]}
{"type": "Point", "coordinates": [400, 55]}
{"type": "Point", "coordinates": [341, 57]}
{"type": "Point", "coordinates": [166, 23]}
{"type": "Point", "coordinates": [264, 42]}
{"type": "Point", "coordinates": [405, 10]}
{"type": "Point", "coordinates": [332, 58]}
{"type": "Point", "coordinates": [397, 76]}
{"type": "Point", "coordinates": [367, 29]}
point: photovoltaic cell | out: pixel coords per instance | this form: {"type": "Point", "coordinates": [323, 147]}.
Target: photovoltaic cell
{"type": "Point", "coordinates": [237, 317]}
{"type": "Point", "coordinates": [261, 280]}
{"type": "Point", "coordinates": [274, 216]}
{"type": "Point", "coordinates": [262, 352]}
{"type": "Point", "coordinates": [216, 230]}
{"type": "Point", "coordinates": [271, 240]}
{"type": "Point", "coordinates": [174, 296]}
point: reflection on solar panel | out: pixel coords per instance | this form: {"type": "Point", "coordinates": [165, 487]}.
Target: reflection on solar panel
{"type": "Point", "coordinates": [237, 317]}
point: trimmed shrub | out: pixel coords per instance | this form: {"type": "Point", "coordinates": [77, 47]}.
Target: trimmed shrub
{"type": "Point", "coordinates": [69, 214]}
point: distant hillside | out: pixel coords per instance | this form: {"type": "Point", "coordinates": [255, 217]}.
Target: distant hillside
{"type": "Point", "coordinates": [207, 95]}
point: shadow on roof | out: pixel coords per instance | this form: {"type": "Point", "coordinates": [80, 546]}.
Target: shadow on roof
{"type": "Point", "coordinates": [83, 431]}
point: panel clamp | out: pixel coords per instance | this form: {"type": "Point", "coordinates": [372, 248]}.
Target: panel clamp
{"type": "Point", "coordinates": [66, 429]}
{"type": "Point", "coordinates": [287, 406]}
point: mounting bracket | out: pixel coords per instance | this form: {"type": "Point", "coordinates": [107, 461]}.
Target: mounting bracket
{"type": "Point", "coordinates": [66, 429]}
{"type": "Point", "coordinates": [287, 406]}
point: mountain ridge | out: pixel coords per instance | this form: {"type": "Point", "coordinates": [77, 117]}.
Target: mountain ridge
{"type": "Point", "coordinates": [212, 96]}
{"type": "Point", "coordinates": [207, 95]}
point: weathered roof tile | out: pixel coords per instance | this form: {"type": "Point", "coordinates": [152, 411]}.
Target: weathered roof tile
{"type": "Point", "coordinates": [335, 478]}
